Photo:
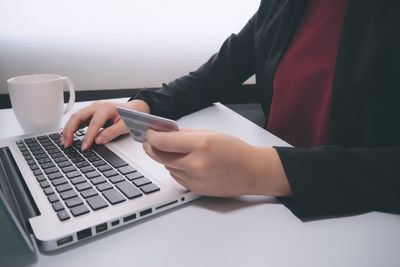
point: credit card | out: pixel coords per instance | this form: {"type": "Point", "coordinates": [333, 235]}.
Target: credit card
{"type": "Point", "coordinates": [138, 123]}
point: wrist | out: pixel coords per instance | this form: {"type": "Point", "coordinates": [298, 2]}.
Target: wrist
{"type": "Point", "coordinates": [270, 177]}
{"type": "Point", "coordinates": [138, 105]}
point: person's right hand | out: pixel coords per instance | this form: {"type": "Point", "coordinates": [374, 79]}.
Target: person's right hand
{"type": "Point", "coordinates": [100, 114]}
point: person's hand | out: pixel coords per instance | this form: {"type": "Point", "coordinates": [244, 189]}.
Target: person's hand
{"type": "Point", "coordinates": [213, 164]}
{"type": "Point", "coordinates": [100, 114]}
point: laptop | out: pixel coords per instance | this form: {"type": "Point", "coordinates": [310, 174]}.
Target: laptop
{"type": "Point", "coordinates": [57, 197]}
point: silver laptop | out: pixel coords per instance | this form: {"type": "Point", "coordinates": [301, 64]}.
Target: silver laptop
{"type": "Point", "coordinates": [60, 197]}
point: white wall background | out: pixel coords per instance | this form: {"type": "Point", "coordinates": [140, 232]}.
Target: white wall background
{"type": "Point", "coordinates": [107, 44]}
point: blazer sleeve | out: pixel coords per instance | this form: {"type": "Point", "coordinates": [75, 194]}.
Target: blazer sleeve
{"type": "Point", "coordinates": [334, 181]}
{"type": "Point", "coordinates": [225, 71]}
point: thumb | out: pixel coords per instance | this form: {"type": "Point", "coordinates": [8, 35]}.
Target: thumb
{"type": "Point", "coordinates": [110, 133]}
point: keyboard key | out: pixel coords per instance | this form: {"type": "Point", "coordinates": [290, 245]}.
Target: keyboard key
{"type": "Point", "coordinates": [88, 154]}
{"type": "Point", "coordinates": [77, 159]}
{"type": "Point", "coordinates": [96, 202]}
{"type": "Point", "coordinates": [34, 167]}
{"type": "Point", "coordinates": [134, 175]}
{"type": "Point", "coordinates": [128, 189]}
{"type": "Point", "coordinates": [31, 162]}
{"type": "Point", "coordinates": [87, 169]}
{"type": "Point", "coordinates": [99, 163]}
{"type": "Point", "coordinates": [57, 206]}
{"type": "Point", "coordinates": [63, 215]}
{"type": "Point", "coordinates": [48, 191]}
{"type": "Point", "coordinates": [40, 178]}
{"type": "Point", "coordinates": [44, 184]}
{"type": "Point", "coordinates": [27, 156]}
{"type": "Point", "coordinates": [63, 188]}
{"type": "Point", "coordinates": [79, 210]}
{"type": "Point", "coordinates": [104, 186]}
{"type": "Point", "coordinates": [68, 194]}
{"type": "Point", "coordinates": [73, 202]}
{"type": "Point", "coordinates": [116, 179]}
{"type": "Point", "coordinates": [52, 198]}
{"type": "Point", "coordinates": [78, 180]}
{"type": "Point", "coordinates": [44, 160]}
{"type": "Point", "coordinates": [68, 169]}
{"type": "Point", "coordinates": [55, 175]}
{"type": "Point", "coordinates": [92, 174]}
{"type": "Point", "coordinates": [79, 134]}
{"type": "Point", "coordinates": [73, 174]}
{"type": "Point", "coordinates": [98, 180]}
{"type": "Point", "coordinates": [37, 172]}
{"type": "Point", "coordinates": [110, 156]}
{"type": "Point", "coordinates": [55, 136]}
{"type": "Point", "coordinates": [88, 193]}
{"type": "Point", "coordinates": [104, 168]}
{"type": "Point", "coordinates": [31, 141]}
{"type": "Point", "coordinates": [52, 151]}
{"type": "Point", "coordinates": [77, 144]}
{"type": "Point", "coordinates": [94, 158]}
{"type": "Point", "coordinates": [141, 181]}
{"type": "Point", "coordinates": [57, 155]}
{"type": "Point", "coordinates": [72, 155]}
{"type": "Point", "coordinates": [64, 164]}
{"type": "Point", "coordinates": [43, 138]}
{"type": "Point", "coordinates": [59, 181]}
{"type": "Point", "coordinates": [113, 196]}
{"type": "Point", "coordinates": [149, 188]}
{"type": "Point", "coordinates": [51, 170]}
{"type": "Point", "coordinates": [61, 159]}
{"type": "Point", "coordinates": [126, 170]}
{"type": "Point", "coordinates": [41, 156]}
{"type": "Point", "coordinates": [83, 186]}
{"type": "Point", "coordinates": [36, 148]}
{"type": "Point", "coordinates": [110, 173]}
{"type": "Point", "coordinates": [48, 165]}
{"type": "Point", "coordinates": [82, 164]}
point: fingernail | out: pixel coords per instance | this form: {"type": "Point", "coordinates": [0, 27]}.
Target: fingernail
{"type": "Point", "coordinates": [66, 144]}
{"type": "Point", "coordinates": [62, 140]}
{"type": "Point", "coordinates": [84, 146]}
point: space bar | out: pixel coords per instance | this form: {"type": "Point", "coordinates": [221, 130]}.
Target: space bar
{"type": "Point", "coordinates": [110, 156]}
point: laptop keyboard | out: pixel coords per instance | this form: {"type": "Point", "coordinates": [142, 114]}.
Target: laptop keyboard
{"type": "Point", "coordinates": [77, 182]}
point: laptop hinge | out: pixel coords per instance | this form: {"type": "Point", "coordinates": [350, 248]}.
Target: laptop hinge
{"type": "Point", "coordinates": [12, 180]}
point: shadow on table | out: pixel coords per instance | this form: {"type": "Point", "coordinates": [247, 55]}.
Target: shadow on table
{"type": "Point", "coordinates": [231, 204]}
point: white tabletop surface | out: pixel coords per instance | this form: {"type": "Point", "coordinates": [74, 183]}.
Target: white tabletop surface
{"type": "Point", "coordinates": [246, 231]}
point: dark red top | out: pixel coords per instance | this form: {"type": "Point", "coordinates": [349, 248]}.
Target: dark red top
{"type": "Point", "coordinates": [299, 111]}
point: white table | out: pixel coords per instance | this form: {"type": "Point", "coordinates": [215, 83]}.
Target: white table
{"type": "Point", "coordinates": [247, 231]}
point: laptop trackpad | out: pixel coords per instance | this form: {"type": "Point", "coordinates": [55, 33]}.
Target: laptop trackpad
{"type": "Point", "coordinates": [132, 151]}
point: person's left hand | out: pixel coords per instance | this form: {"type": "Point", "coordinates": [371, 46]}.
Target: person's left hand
{"type": "Point", "coordinates": [214, 164]}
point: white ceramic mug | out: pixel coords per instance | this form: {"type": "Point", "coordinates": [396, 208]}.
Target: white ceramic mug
{"type": "Point", "coordinates": [38, 101]}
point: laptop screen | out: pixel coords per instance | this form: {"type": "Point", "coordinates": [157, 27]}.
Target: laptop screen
{"type": "Point", "coordinates": [10, 212]}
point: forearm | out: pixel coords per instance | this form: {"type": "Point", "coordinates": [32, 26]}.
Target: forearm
{"type": "Point", "coordinates": [337, 181]}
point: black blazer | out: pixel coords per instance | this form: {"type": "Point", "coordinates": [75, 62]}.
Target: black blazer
{"type": "Point", "coordinates": [360, 170]}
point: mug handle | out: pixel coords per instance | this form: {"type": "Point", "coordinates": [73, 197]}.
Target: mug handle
{"type": "Point", "coordinates": [71, 90]}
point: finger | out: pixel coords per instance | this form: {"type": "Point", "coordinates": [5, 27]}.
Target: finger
{"type": "Point", "coordinates": [100, 117]}
{"type": "Point", "coordinates": [170, 159]}
{"type": "Point", "coordinates": [111, 133]}
{"type": "Point", "coordinates": [176, 141]}
{"type": "Point", "coordinates": [76, 121]}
